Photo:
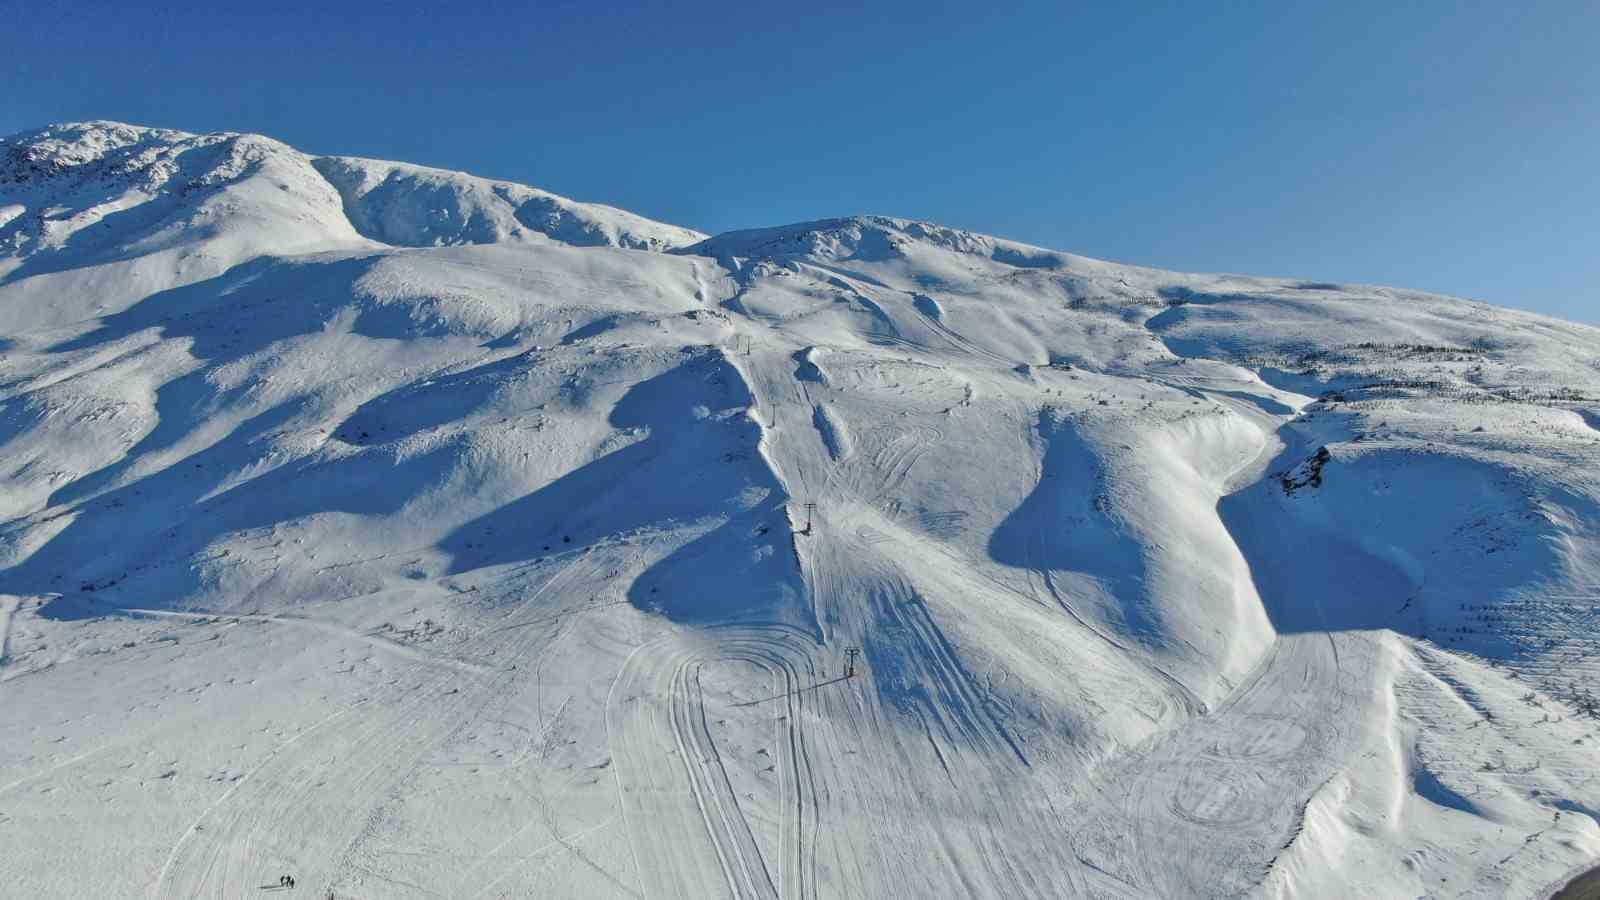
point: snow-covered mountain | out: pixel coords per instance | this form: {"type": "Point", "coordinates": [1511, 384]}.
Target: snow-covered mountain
{"type": "Point", "coordinates": [423, 535]}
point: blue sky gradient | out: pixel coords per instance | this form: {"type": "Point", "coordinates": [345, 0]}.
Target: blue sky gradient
{"type": "Point", "coordinates": [1448, 147]}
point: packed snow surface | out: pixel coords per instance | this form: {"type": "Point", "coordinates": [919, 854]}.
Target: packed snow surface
{"type": "Point", "coordinates": [421, 535]}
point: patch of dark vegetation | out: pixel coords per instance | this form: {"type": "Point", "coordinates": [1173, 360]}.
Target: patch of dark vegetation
{"type": "Point", "coordinates": [1425, 388]}
{"type": "Point", "coordinates": [1312, 360]}
{"type": "Point", "coordinates": [1367, 351]}
{"type": "Point", "coordinates": [1582, 699]}
{"type": "Point", "coordinates": [1374, 375]}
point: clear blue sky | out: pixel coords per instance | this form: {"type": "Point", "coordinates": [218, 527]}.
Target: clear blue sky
{"type": "Point", "coordinates": [1450, 147]}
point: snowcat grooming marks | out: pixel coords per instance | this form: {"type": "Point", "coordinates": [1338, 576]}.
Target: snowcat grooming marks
{"type": "Point", "coordinates": [667, 673]}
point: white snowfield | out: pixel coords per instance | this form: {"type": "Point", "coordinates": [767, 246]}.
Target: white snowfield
{"type": "Point", "coordinates": [419, 535]}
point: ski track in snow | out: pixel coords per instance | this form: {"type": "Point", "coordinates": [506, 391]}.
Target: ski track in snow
{"type": "Point", "coordinates": [1222, 785]}
{"type": "Point", "coordinates": [8, 609]}
{"type": "Point", "coordinates": [326, 627]}
{"type": "Point", "coordinates": [658, 701]}
{"type": "Point", "coordinates": [301, 804]}
{"type": "Point", "coordinates": [1162, 585]}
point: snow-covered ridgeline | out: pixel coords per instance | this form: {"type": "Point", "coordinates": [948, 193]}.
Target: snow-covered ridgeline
{"type": "Point", "coordinates": [415, 532]}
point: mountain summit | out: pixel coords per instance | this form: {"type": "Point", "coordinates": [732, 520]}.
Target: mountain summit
{"type": "Point", "coordinates": [163, 207]}
{"type": "Point", "coordinates": [423, 534]}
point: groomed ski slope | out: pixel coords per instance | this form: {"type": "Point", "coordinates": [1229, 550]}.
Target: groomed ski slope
{"type": "Point", "coordinates": [419, 535]}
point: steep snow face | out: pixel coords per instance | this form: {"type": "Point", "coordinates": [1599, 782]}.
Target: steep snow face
{"type": "Point", "coordinates": [408, 531]}
{"type": "Point", "coordinates": [412, 206]}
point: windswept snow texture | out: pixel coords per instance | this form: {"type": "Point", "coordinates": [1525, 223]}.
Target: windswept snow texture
{"type": "Point", "coordinates": [420, 535]}
{"type": "Point", "coordinates": [411, 206]}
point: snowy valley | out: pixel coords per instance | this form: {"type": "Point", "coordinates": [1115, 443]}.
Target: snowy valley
{"type": "Point", "coordinates": [425, 535]}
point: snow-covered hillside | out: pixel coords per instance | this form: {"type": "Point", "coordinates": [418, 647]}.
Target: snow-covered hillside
{"type": "Point", "coordinates": [422, 535]}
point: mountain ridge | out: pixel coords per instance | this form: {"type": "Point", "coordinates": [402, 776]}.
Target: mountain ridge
{"type": "Point", "coordinates": [46, 151]}
{"type": "Point", "coordinates": [401, 527]}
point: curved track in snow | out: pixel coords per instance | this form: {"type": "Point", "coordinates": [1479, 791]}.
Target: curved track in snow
{"type": "Point", "coordinates": [659, 700]}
